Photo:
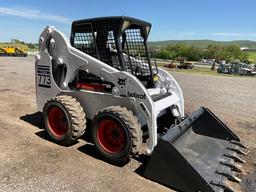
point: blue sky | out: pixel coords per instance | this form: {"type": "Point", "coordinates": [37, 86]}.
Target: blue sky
{"type": "Point", "coordinates": [171, 19]}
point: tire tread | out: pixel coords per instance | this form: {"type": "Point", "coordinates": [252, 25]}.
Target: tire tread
{"type": "Point", "coordinates": [77, 116]}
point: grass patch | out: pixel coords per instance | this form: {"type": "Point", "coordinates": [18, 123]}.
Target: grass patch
{"type": "Point", "coordinates": [197, 70]}
{"type": "Point", "coordinates": [252, 56]}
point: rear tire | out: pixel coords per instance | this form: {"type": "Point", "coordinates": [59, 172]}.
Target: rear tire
{"type": "Point", "coordinates": [64, 119]}
{"type": "Point", "coordinates": [116, 134]}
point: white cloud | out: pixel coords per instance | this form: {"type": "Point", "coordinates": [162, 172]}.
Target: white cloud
{"type": "Point", "coordinates": [251, 34]}
{"type": "Point", "coordinates": [32, 14]}
{"type": "Point", "coordinates": [233, 34]}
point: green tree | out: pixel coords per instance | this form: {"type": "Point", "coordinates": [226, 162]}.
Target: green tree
{"type": "Point", "coordinates": [192, 53]}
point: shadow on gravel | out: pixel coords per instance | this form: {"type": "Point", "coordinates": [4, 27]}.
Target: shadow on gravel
{"type": "Point", "coordinates": [143, 159]}
{"type": "Point", "coordinates": [89, 149]}
{"type": "Point", "coordinates": [35, 119]}
{"type": "Point", "coordinates": [44, 135]}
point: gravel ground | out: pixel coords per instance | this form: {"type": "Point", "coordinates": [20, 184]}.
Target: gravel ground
{"type": "Point", "coordinates": [29, 162]}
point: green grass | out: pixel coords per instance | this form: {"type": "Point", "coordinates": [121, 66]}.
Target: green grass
{"type": "Point", "coordinates": [252, 56]}
{"type": "Point", "coordinates": [21, 46]}
{"type": "Point", "coordinates": [197, 71]}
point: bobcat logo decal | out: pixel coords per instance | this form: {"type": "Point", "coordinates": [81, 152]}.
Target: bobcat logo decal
{"type": "Point", "coordinates": [121, 81]}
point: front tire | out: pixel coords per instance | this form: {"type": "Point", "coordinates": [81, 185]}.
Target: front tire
{"type": "Point", "coordinates": [116, 134]}
{"type": "Point", "coordinates": [64, 119]}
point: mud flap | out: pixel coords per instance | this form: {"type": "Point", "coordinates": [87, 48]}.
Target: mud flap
{"type": "Point", "coordinates": [199, 154]}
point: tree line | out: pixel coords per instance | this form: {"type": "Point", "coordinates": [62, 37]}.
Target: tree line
{"type": "Point", "coordinates": [191, 53]}
{"type": "Point", "coordinates": [30, 45]}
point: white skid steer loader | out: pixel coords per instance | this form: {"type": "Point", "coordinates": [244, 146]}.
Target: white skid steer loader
{"type": "Point", "coordinates": [105, 75]}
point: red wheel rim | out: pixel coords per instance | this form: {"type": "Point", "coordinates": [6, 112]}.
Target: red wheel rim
{"type": "Point", "coordinates": [57, 121]}
{"type": "Point", "coordinates": [111, 136]}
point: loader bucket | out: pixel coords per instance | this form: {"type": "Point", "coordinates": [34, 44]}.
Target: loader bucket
{"type": "Point", "coordinates": [199, 154]}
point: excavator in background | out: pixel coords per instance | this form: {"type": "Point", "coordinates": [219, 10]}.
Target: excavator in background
{"type": "Point", "coordinates": [13, 52]}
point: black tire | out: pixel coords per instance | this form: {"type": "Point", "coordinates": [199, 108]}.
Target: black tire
{"type": "Point", "coordinates": [71, 122]}
{"type": "Point", "coordinates": [130, 128]}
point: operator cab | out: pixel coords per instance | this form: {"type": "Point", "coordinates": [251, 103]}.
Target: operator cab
{"type": "Point", "coordinates": [120, 42]}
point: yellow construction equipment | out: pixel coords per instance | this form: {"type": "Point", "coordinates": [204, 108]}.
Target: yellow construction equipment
{"type": "Point", "coordinates": [12, 51]}
{"type": "Point", "coordinates": [3, 52]}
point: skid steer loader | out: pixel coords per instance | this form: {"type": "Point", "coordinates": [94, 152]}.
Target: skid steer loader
{"type": "Point", "coordinates": [104, 75]}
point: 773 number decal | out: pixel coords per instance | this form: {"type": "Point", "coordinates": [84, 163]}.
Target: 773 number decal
{"type": "Point", "coordinates": [43, 76]}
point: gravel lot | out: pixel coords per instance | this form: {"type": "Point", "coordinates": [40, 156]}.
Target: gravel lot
{"type": "Point", "coordinates": [29, 162]}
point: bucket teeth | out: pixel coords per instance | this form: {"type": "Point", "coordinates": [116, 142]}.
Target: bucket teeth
{"type": "Point", "coordinates": [224, 186]}
{"type": "Point", "coordinates": [229, 175]}
{"type": "Point", "coordinates": [238, 144]}
{"type": "Point", "coordinates": [234, 167]}
{"type": "Point", "coordinates": [235, 157]}
{"type": "Point", "coordinates": [238, 151]}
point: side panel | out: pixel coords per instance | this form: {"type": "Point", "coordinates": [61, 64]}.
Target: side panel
{"type": "Point", "coordinates": [46, 87]}
{"type": "Point", "coordinates": [171, 85]}
{"type": "Point", "coordinates": [93, 102]}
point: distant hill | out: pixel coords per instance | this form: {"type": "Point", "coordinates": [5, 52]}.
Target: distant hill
{"type": "Point", "coordinates": [203, 43]}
